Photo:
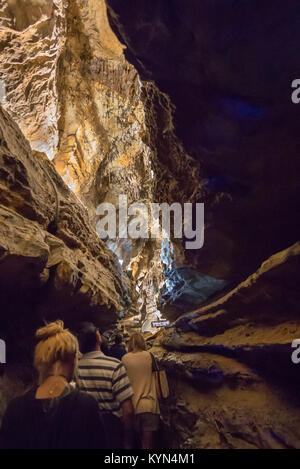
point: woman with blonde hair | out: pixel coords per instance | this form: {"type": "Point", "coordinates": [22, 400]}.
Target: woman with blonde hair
{"type": "Point", "coordinates": [138, 364]}
{"type": "Point", "coordinates": [53, 415]}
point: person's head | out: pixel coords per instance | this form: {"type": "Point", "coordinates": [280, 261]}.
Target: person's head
{"type": "Point", "coordinates": [89, 338]}
{"type": "Point", "coordinates": [56, 352]}
{"type": "Point", "coordinates": [136, 343]}
{"type": "Point", "coordinates": [118, 339]}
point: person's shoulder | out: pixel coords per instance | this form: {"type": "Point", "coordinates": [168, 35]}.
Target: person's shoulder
{"type": "Point", "coordinates": [146, 356]}
{"type": "Point", "coordinates": [127, 356]}
{"type": "Point", "coordinates": [112, 361]}
{"type": "Point", "coordinates": [101, 360]}
{"type": "Point", "coordinates": [83, 398]}
{"type": "Point", "coordinates": [21, 401]}
{"type": "Point", "coordinates": [143, 353]}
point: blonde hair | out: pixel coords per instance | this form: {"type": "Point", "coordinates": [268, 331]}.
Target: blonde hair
{"type": "Point", "coordinates": [56, 345]}
{"type": "Point", "coordinates": [136, 342]}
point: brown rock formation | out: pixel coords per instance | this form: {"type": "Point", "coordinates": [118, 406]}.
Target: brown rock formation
{"type": "Point", "coordinates": [238, 386]}
{"type": "Point", "coordinates": [31, 38]}
{"type": "Point", "coordinates": [227, 72]}
{"type": "Point", "coordinates": [67, 84]}
{"type": "Point", "coordinates": [196, 109]}
{"type": "Point", "coordinates": [69, 273]}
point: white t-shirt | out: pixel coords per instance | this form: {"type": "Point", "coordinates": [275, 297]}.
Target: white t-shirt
{"type": "Point", "coordinates": [139, 369]}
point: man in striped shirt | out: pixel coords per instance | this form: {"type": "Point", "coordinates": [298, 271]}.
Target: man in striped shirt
{"type": "Point", "coordinates": [106, 379]}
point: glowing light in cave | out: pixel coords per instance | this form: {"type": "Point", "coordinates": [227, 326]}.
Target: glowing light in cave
{"type": "Point", "coordinates": [72, 186]}
{"type": "Point", "coordinates": [140, 86]}
{"type": "Point", "coordinates": [167, 256]}
{"type": "Point", "coordinates": [2, 92]}
{"type": "Point", "coordinates": [167, 252]}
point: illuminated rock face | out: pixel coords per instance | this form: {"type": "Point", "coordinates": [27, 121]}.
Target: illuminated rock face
{"type": "Point", "coordinates": [32, 37]}
{"type": "Point", "coordinates": [102, 119]}
{"type": "Point", "coordinates": [52, 263]}
{"type": "Point", "coordinates": [107, 127]}
{"type": "Point", "coordinates": [229, 364]}
{"type": "Point", "coordinates": [225, 66]}
{"type": "Point", "coordinates": [57, 271]}
{"type": "Point", "coordinates": [66, 82]}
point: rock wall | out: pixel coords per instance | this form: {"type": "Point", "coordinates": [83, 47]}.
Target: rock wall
{"type": "Point", "coordinates": [232, 379]}
{"type": "Point", "coordinates": [226, 69]}
{"type": "Point", "coordinates": [52, 262]}
{"type": "Point", "coordinates": [31, 38]}
{"type": "Point", "coordinates": [108, 133]}
{"type": "Point", "coordinates": [164, 102]}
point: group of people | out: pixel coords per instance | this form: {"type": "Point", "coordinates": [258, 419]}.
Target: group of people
{"type": "Point", "coordinates": [117, 350]}
{"type": "Point", "coordinates": [84, 398]}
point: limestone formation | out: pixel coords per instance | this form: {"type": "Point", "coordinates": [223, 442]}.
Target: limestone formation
{"type": "Point", "coordinates": [69, 271]}
{"type": "Point", "coordinates": [225, 67]}
{"type": "Point", "coordinates": [67, 84]}
{"type": "Point", "coordinates": [238, 386]}
{"type": "Point", "coordinates": [162, 102]}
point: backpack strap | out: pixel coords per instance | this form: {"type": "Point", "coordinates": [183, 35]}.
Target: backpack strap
{"type": "Point", "coordinates": [155, 366]}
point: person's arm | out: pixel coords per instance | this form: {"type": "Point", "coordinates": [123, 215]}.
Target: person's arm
{"type": "Point", "coordinates": [95, 436]}
{"type": "Point", "coordinates": [123, 393]}
{"type": "Point", "coordinates": [128, 421]}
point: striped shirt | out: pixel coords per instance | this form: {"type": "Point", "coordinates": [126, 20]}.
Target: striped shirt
{"type": "Point", "coordinates": [106, 379]}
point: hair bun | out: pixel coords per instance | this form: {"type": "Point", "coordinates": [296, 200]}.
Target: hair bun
{"type": "Point", "coordinates": [50, 330]}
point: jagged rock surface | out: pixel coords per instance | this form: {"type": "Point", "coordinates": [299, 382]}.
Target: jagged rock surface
{"type": "Point", "coordinates": [66, 82]}
{"type": "Point", "coordinates": [67, 273]}
{"type": "Point", "coordinates": [226, 69]}
{"type": "Point", "coordinates": [31, 40]}
{"type": "Point", "coordinates": [233, 383]}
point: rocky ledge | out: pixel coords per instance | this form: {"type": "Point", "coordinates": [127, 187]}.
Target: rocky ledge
{"type": "Point", "coordinates": [52, 263]}
{"type": "Point", "coordinates": [232, 379]}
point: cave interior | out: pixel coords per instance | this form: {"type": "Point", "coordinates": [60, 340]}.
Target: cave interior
{"type": "Point", "coordinates": [164, 102]}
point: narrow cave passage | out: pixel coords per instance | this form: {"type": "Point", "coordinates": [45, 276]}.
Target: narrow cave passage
{"type": "Point", "coordinates": [149, 192]}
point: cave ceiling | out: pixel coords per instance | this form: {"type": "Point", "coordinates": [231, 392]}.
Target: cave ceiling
{"type": "Point", "coordinates": [227, 67]}
{"type": "Point", "coordinates": [164, 102]}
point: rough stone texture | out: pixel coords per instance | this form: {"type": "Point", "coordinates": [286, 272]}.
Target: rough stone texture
{"type": "Point", "coordinates": [70, 273]}
{"type": "Point", "coordinates": [31, 40]}
{"type": "Point", "coordinates": [116, 137]}
{"type": "Point", "coordinates": [219, 403]}
{"type": "Point", "coordinates": [66, 82]}
{"type": "Point", "coordinates": [233, 382]}
{"type": "Point", "coordinates": [202, 113]}
{"type": "Point", "coordinates": [228, 67]}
